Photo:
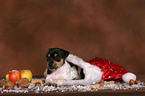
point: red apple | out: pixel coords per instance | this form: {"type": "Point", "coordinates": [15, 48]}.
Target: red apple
{"type": "Point", "coordinates": [13, 76]}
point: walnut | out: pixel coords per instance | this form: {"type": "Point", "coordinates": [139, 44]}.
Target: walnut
{"type": "Point", "coordinates": [3, 82]}
{"type": "Point", "coordinates": [131, 82]}
{"type": "Point", "coordinates": [7, 84]}
{"type": "Point", "coordinates": [23, 83]}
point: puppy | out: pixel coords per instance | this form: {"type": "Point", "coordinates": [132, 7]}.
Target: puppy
{"type": "Point", "coordinates": [59, 70]}
{"type": "Point", "coordinates": [64, 68]}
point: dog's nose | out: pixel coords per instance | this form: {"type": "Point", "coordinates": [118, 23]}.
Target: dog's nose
{"type": "Point", "coordinates": [50, 63]}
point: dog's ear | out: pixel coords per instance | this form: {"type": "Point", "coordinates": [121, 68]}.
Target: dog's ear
{"type": "Point", "coordinates": [51, 49]}
{"type": "Point", "coordinates": [65, 53]}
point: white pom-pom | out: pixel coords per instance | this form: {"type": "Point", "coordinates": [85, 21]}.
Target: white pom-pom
{"type": "Point", "coordinates": [128, 76]}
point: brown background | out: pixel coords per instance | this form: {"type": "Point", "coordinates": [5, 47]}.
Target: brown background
{"type": "Point", "coordinates": [111, 29]}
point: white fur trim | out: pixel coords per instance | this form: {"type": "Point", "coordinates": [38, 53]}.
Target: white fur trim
{"type": "Point", "coordinates": [128, 76]}
{"type": "Point", "coordinates": [93, 74]}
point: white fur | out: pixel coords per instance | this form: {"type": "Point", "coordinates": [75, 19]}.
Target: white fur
{"type": "Point", "coordinates": [65, 74]}
{"type": "Point", "coordinates": [62, 74]}
{"type": "Point", "coordinates": [128, 76]}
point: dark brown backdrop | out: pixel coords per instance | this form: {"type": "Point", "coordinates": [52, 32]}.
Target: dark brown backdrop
{"type": "Point", "coordinates": [111, 29]}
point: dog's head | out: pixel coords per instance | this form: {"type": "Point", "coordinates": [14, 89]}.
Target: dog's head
{"type": "Point", "coordinates": [56, 57]}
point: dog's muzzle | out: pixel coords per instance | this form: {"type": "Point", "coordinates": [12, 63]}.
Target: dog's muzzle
{"type": "Point", "coordinates": [51, 64]}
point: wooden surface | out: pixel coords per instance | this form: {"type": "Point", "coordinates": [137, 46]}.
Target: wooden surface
{"type": "Point", "coordinates": [131, 92]}
{"type": "Point", "coordinates": [139, 92]}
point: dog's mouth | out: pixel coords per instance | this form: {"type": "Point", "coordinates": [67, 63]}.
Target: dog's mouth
{"type": "Point", "coordinates": [53, 69]}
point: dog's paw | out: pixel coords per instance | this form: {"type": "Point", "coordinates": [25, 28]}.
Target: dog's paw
{"type": "Point", "coordinates": [51, 84]}
{"type": "Point", "coordinates": [55, 82]}
{"type": "Point", "coordinates": [59, 82]}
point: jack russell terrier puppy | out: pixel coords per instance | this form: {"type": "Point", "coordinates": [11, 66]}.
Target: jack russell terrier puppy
{"type": "Point", "coordinates": [64, 68]}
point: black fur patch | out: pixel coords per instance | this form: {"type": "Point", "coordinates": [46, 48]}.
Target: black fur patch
{"type": "Point", "coordinates": [80, 70]}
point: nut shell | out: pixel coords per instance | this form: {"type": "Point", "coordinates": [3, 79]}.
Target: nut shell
{"type": "Point", "coordinates": [7, 84]}
{"type": "Point", "coordinates": [23, 83]}
{"type": "Point", "coordinates": [37, 80]}
{"type": "Point", "coordinates": [109, 82]}
{"type": "Point", "coordinates": [131, 82]}
{"type": "Point", "coordinates": [97, 86]}
{"type": "Point", "coordinates": [3, 82]}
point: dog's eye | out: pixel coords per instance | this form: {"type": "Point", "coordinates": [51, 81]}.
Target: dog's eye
{"type": "Point", "coordinates": [48, 55]}
{"type": "Point", "coordinates": [55, 55]}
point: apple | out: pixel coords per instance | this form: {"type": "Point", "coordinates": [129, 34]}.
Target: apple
{"type": "Point", "coordinates": [26, 74]}
{"type": "Point", "coordinates": [13, 76]}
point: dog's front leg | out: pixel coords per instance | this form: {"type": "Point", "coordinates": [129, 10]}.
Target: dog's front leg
{"type": "Point", "coordinates": [51, 79]}
{"type": "Point", "coordinates": [45, 73]}
{"type": "Point", "coordinates": [76, 82]}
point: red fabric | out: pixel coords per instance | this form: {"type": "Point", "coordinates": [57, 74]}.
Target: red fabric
{"type": "Point", "coordinates": [111, 71]}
